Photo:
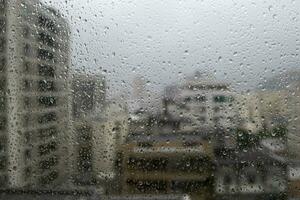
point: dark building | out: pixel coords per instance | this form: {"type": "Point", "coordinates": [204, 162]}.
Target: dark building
{"type": "Point", "coordinates": [251, 174]}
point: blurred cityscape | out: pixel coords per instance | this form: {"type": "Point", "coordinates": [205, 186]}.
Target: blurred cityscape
{"type": "Point", "coordinates": [62, 138]}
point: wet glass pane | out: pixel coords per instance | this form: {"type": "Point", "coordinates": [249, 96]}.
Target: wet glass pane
{"type": "Point", "coordinates": [149, 99]}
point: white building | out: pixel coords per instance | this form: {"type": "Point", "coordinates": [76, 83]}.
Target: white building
{"type": "Point", "coordinates": [99, 127]}
{"type": "Point", "coordinates": [34, 114]}
{"type": "Point", "coordinates": [203, 103]}
{"type": "Point", "coordinates": [249, 111]}
{"type": "Point", "coordinates": [113, 131]}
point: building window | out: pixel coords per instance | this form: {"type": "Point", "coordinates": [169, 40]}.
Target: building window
{"type": "Point", "coordinates": [47, 23]}
{"type": "Point", "coordinates": [28, 85]}
{"type": "Point", "coordinates": [187, 99]}
{"type": "Point", "coordinates": [48, 132]}
{"type": "Point", "coordinates": [27, 50]}
{"type": "Point", "coordinates": [47, 118]}
{"type": "Point", "coordinates": [2, 45]}
{"type": "Point", "coordinates": [2, 85]}
{"type": "Point", "coordinates": [46, 70]}
{"type": "Point", "coordinates": [2, 64]}
{"type": "Point", "coordinates": [2, 145]}
{"type": "Point", "coordinates": [27, 154]}
{"type": "Point", "coordinates": [26, 32]}
{"type": "Point", "coordinates": [84, 133]}
{"type": "Point", "coordinates": [27, 66]}
{"type": "Point", "coordinates": [2, 103]}
{"type": "Point", "coordinates": [3, 162]}
{"type": "Point", "coordinates": [26, 102]}
{"type": "Point", "coordinates": [46, 39]}
{"type": "Point", "coordinates": [47, 101]}
{"type": "Point", "coordinates": [223, 99]}
{"type": "Point", "coordinates": [217, 109]}
{"type": "Point", "coordinates": [45, 55]}
{"type": "Point", "coordinates": [3, 123]}
{"type": "Point", "coordinates": [27, 137]}
{"type": "Point", "coordinates": [46, 85]}
{"type": "Point", "coordinates": [251, 178]}
{"type": "Point", "coordinates": [49, 178]}
{"type": "Point", "coordinates": [47, 148]}
{"type": "Point", "coordinates": [85, 159]}
{"type": "Point", "coordinates": [28, 173]}
{"type": "Point", "coordinates": [48, 163]}
{"type": "Point", "coordinates": [200, 98]}
{"type": "Point", "coordinates": [2, 26]}
{"type": "Point", "coordinates": [26, 120]}
{"type": "Point", "coordinates": [2, 5]}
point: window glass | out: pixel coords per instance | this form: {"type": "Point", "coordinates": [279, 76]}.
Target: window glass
{"type": "Point", "coordinates": [149, 99]}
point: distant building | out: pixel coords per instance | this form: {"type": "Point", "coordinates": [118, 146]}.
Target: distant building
{"type": "Point", "coordinates": [99, 128]}
{"type": "Point", "coordinates": [89, 91]}
{"type": "Point", "coordinates": [280, 106]}
{"type": "Point", "coordinates": [167, 164]}
{"type": "Point", "coordinates": [34, 95]}
{"type": "Point", "coordinates": [141, 123]}
{"type": "Point", "coordinates": [273, 108]}
{"type": "Point", "coordinates": [139, 99]}
{"type": "Point", "coordinates": [204, 104]}
{"type": "Point", "coordinates": [114, 131]}
{"type": "Point", "coordinates": [85, 194]}
{"type": "Point", "coordinates": [95, 151]}
{"type": "Point", "coordinates": [251, 174]}
{"type": "Point", "coordinates": [88, 105]}
{"type": "Point", "coordinates": [293, 107]}
{"type": "Point", "coordinates": [294, 180]}
{"type": "Point", "coordinates": [249, 113]}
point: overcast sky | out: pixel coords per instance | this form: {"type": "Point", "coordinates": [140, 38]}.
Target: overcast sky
{"type": "Point", "coordinates": [241, 41]}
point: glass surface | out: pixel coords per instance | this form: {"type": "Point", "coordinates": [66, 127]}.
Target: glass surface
{"type": "Point", "coordinates": [157, 99]}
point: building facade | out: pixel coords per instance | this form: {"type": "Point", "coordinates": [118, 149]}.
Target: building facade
{"type": "Point", "coordinates": [204, 105]}
{"type": "Point", "coordinates": [251, 174]}
{"type": "Point", "coordinates": [34, 100]}
{"type": "Point", "coordinates": [113, 133]}
{"type": "Point", "coordinates": [99, 127]}
{"type": "Point", "coordinates": [248, 107]}
{"type": "Point", "coordinates": [166, 164]}
{"type": "Point", "coordinates": [88, 102]}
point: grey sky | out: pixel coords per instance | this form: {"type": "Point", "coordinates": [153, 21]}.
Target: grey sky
{"type": "Point", "coordinates": [164, 40]}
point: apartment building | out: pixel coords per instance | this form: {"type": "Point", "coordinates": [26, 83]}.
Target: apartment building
{"type": "Point", "coordinates": [204, 104]}
{"type": "Point", "coordinates": [167, 164]}
{"type": "Point", "coordinates": [89, 91]}
{"type": "Point", "coordinates": [88, 102]}
{"type": "Point", "coordinates": [251, 174]}
{"type": "Point", "coordinates": [114, 131]}
{"type": "Point", "coordinates": [99, 126]}
{"type": "Point", "coordinates": [34, 114]}
{"type": "Point", "coordinates": [249, 112]}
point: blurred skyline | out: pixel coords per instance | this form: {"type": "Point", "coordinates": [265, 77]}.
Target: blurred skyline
{"type": "Point", "coordinates": [243, 42]}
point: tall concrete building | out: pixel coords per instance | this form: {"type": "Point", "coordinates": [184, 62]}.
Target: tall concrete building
{"type": "Point", "coordinates": [88, 102]}
{"type": "Point", "coordinates": [98, 127]}
{"type": "Point", "coordinates": [89, 91]}
{"type": "Point", "coordinates": [139, 99]}
{"type": "Point", "coordinates": [34, 114]}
